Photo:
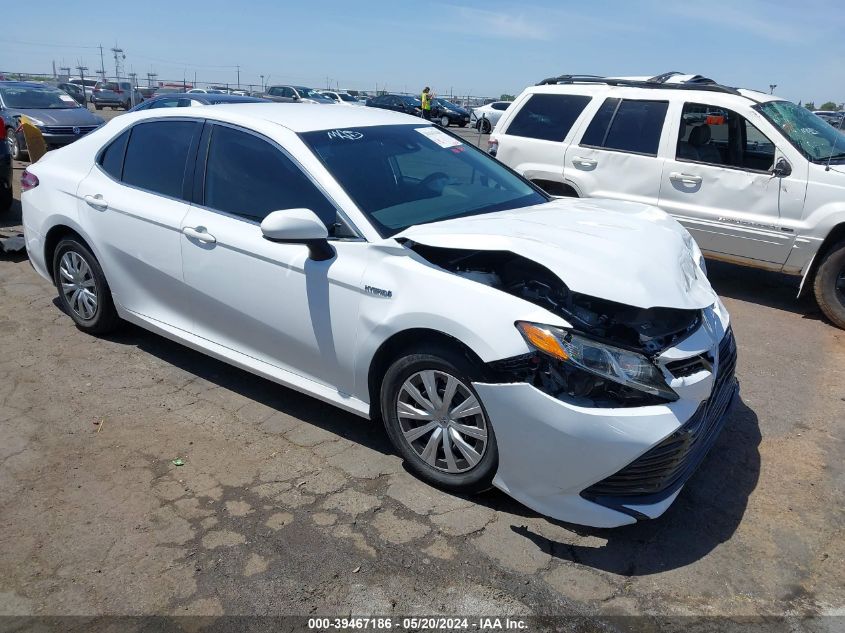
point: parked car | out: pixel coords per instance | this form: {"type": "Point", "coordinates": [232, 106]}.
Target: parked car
{"type": "Point", "coordinates": [60, 119]}
{"type": "Point", "coordinates": [397, 103]}
{"type": "Point", "coordinates": [595, 383]}
{"type": "Point", "coordinates": [204, 91]}
{"type": "Point", "coordinates": [148, 92]}
{"type": "Point", "coordinates": [341, 98]}
{"type": "Point", "coordinates": [447, 113]}
{"type": "Point", "coordinates": [115, 95]}
{"type": "Point", "coordinates": [188, 99]}
{"type": "Point", "coordinates": [298, 94]}
{"type": "Point", "coordinates": [757, 180]}
{"type": "Point", "coordinates": [485, 118]}
{"type": "Point", "coordinates": [834, 118]}
{"type": "Point", "coordinates": [5, 172]}
{"type": "Point", "coordinates": [74, 91]}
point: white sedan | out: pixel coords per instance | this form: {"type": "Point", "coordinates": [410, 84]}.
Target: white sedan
{"type": "Point", "coordinates": [570, 352]}
{"type": "Point", "coordinates": [341, 98]}
{"type": "Point", "coordinates": [487, 116]}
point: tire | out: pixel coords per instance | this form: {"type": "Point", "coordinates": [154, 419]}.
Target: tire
{"type": "Point", "coordinates": [98, 106]}
{"type": "Point", "coordinates": [67, 269]}
{"type": "Point", "coordinates": [444, 121]}
{"type": "Point", "coordinates": [829, 285]}
{"type": "Point", "coordinates": [14, 143]}
{"type": "Point", "coordinates": [462, 124]}
{"type": "Point", "coordinates": [465, 472]}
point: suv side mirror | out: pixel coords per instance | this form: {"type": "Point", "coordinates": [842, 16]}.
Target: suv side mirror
{"type": "Point", "coordinates": [299, 226]}
{"type": "Point", "coordinates": [782, 168]}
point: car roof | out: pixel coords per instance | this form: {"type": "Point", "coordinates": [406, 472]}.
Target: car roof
{"type": "Point", "coordinates": [297, 117]}
{"type": "Point", "coordinates": [659, 92]}
{"type": "Point", "coordinates": [25, 84]}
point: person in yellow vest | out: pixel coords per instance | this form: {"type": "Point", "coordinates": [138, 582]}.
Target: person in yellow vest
{"type": "Point", "coordinates": [35, 145]}
{"type": "Point", "coordinates": [425, 97]}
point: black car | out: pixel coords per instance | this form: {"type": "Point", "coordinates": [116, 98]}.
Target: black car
{"type": "Point", "coordinates": [74, 91]}
{"type": "Point", "coordinates": [397, 103]}
{"type": "Point", "coordinates": [447, 113]}
{"type": "Point", "coordinates": [184, 100]}
{"type": "Point", "coordinates": [5, 172]}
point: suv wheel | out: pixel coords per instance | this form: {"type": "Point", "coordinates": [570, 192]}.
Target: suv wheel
{"type": "Point", "coordinates": [829, 285]}
{"type": "Point", "coordinates": [83, 290]}
{"type": "Point", "coordinates": [436, 421]}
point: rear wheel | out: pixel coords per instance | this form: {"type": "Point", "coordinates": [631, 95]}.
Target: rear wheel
{"type": "Point", "coordinates": [83, 290]}
{"type": "Point", "coordinates": [98, 106]}
{"type": "Point", "coordinates": [436, 421]}
{"type": "Point", "coordinates": [13, 142]}
{"type": "Point", "coordinates": [829, 285]}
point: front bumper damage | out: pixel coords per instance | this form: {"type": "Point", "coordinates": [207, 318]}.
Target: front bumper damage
{"type": "Point", "coordinates": [607, 467]}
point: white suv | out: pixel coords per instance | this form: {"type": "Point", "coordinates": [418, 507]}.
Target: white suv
{"type": "Point", "coordinates": [755, 179]}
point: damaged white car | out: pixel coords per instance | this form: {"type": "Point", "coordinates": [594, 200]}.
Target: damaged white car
{"type": "Point", "coordinates": [569, 352]}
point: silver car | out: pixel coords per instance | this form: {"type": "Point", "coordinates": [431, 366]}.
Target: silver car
{"type": "Point", "coordinates": [115, 94]}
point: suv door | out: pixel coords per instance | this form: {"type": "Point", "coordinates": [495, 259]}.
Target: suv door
{"type": "Point", "coordinates": [720, 185]}
{"type": "Point", "coordinates": [132, 203]}
{"type": "Point", "coordinates": [618, 153]}
{"type": "Point", "coordinates": [266, 300]}
{"type": "Point", "coordinates": [533, 141]}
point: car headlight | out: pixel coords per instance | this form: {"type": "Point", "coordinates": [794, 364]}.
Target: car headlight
{"type": "Point", "coordinates": [618, 365]}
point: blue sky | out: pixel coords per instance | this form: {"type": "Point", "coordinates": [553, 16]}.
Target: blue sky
{"type": "Point", "coordinates": [465, 46]}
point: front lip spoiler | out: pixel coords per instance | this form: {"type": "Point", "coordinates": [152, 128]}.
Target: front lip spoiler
{"type": "Point", "coordinates": [623, 504]}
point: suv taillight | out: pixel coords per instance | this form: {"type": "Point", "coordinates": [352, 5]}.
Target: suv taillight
{"type": "Point", "coordinates": [28, 180]}
{"type": "Point", "coordinates": [492, 146]}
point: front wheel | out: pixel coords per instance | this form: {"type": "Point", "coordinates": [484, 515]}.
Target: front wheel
{"type": "Point", "coordinates": [83, 290]}
{"type": "Point", "coordinates": [829, 285]}
{"type": "Point", "coordinates": [436, 421]}
{"type": "Point", "coordinates": [15, 148]}
{"type": "Point", "coordinates": [444, 121]}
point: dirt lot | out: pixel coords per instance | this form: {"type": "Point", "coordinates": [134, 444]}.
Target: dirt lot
{"type": "Point", "coordinates": [288, 506]}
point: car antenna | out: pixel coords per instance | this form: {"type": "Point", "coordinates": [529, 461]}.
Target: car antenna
{"type": "Point", "coordinates": [829, 158]}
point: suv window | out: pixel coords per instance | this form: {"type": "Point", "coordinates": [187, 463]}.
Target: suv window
{"type": "Point", "coordinates": [248, 177]}
{"type": "Point", "coordinates": [717, 136]}
{"type": "Point", "coordinates": [547, 117]}
{"type": "Point", "coordinates": [628, 125]}
{"type": "Point", "coordinates": [157, 155]}
{"type": "Point", "coordinates": [111, 160]}
{"type": "Point", "coordinates": [500, 106]}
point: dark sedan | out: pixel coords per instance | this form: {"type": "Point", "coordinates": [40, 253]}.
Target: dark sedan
{"type": "Point", "coordinates": [447, 113]}
{"type": "Point", "coordinates": [397, 103]}
{"type": "Point", "coordinates": [185, 100]}
{"type": "Point", "coordinates": [60, 119]}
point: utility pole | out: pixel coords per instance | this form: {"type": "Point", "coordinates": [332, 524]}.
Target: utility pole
{"type": "Point", "coordinates": [262, 82]}
{"type": "Point", "coordinates": [150, 77]}
{"type": "Point", "coordinates": [239, 76]}
{"type": "Point", "coordinates": [82, 70]}
{"type": "Point", "coordinates": [772, 88]}
{"type": "Point", "coordinates": [102, 64]}
{"type": "Point", "coordinates": [66, 70]}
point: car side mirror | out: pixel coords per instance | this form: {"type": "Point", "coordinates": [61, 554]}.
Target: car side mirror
{"type": "Point", "coordinates": [782, 168]}
{"type": "Point", "coordinates": [299, 226]}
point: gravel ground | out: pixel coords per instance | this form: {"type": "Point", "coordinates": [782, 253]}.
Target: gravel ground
{"type": "Point", "coordinates": [285, 505]}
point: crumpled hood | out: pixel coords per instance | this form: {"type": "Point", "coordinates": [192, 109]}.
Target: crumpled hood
{"type": "Point", "coordinates": [626, 252]}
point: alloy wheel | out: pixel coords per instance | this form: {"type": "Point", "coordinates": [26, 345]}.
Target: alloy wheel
{"type": "Point", "coordinates": [442, 421]}
{"type": "Point", "coordinates": [78, 285]}
{"type": "Point", "coordinates": [12, 140]}
{"type": "Point", "coordinates": [444, 121]}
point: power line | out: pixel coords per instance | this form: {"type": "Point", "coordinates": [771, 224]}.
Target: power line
{"type": "Point", "coordinates": [51, 45]}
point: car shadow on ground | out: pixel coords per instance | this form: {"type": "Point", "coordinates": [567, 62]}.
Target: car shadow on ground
{"type": "Point", "coordinates": [287, 401]}
{"type": "Point", "coordinates": [706, 513]}
{"type": "Point", "coordinates": [762, 287]}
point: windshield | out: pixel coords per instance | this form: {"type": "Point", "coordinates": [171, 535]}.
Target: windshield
{"type": "Point", "coordinates": [813, 136]}
{"type": "Point", "coordinates": [446, 104]}
{"type": "Point", "coordinates": [345, 97]}
{"type": "Point", "coordinates": [403, 175]}
{"type": "Point", "coordinates": [36, 98]}
{"type": "Point", "coordinates": [310, 93]}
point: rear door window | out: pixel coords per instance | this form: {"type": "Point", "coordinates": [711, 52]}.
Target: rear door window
{"type": "Point", "coordinates": [157, 155]}
{"type": "Point", "coordinates": [547, 117]}
{"type": "Point", "coordinates": [627, 125]}
{"type": "Point", "coordinates": [111, 160]}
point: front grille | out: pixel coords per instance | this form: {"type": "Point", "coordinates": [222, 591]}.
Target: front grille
{"type": "Point", "coordinates": [68, 129]}
{"type": "Point", "coordinates": [669, 464]}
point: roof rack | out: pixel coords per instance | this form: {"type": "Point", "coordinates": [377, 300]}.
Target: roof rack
{"type": "Point", "coordinates": [695, 82]}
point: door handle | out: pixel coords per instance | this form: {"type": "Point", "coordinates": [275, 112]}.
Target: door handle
{"type": "Point", "coordinates": [584, 162]}
{"type": "Point", "coordinates": [200, 234]}
{"type": "Point", "coordinates": [687, 179]}
{"type": "Point", "coordinates": [97, 202]}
